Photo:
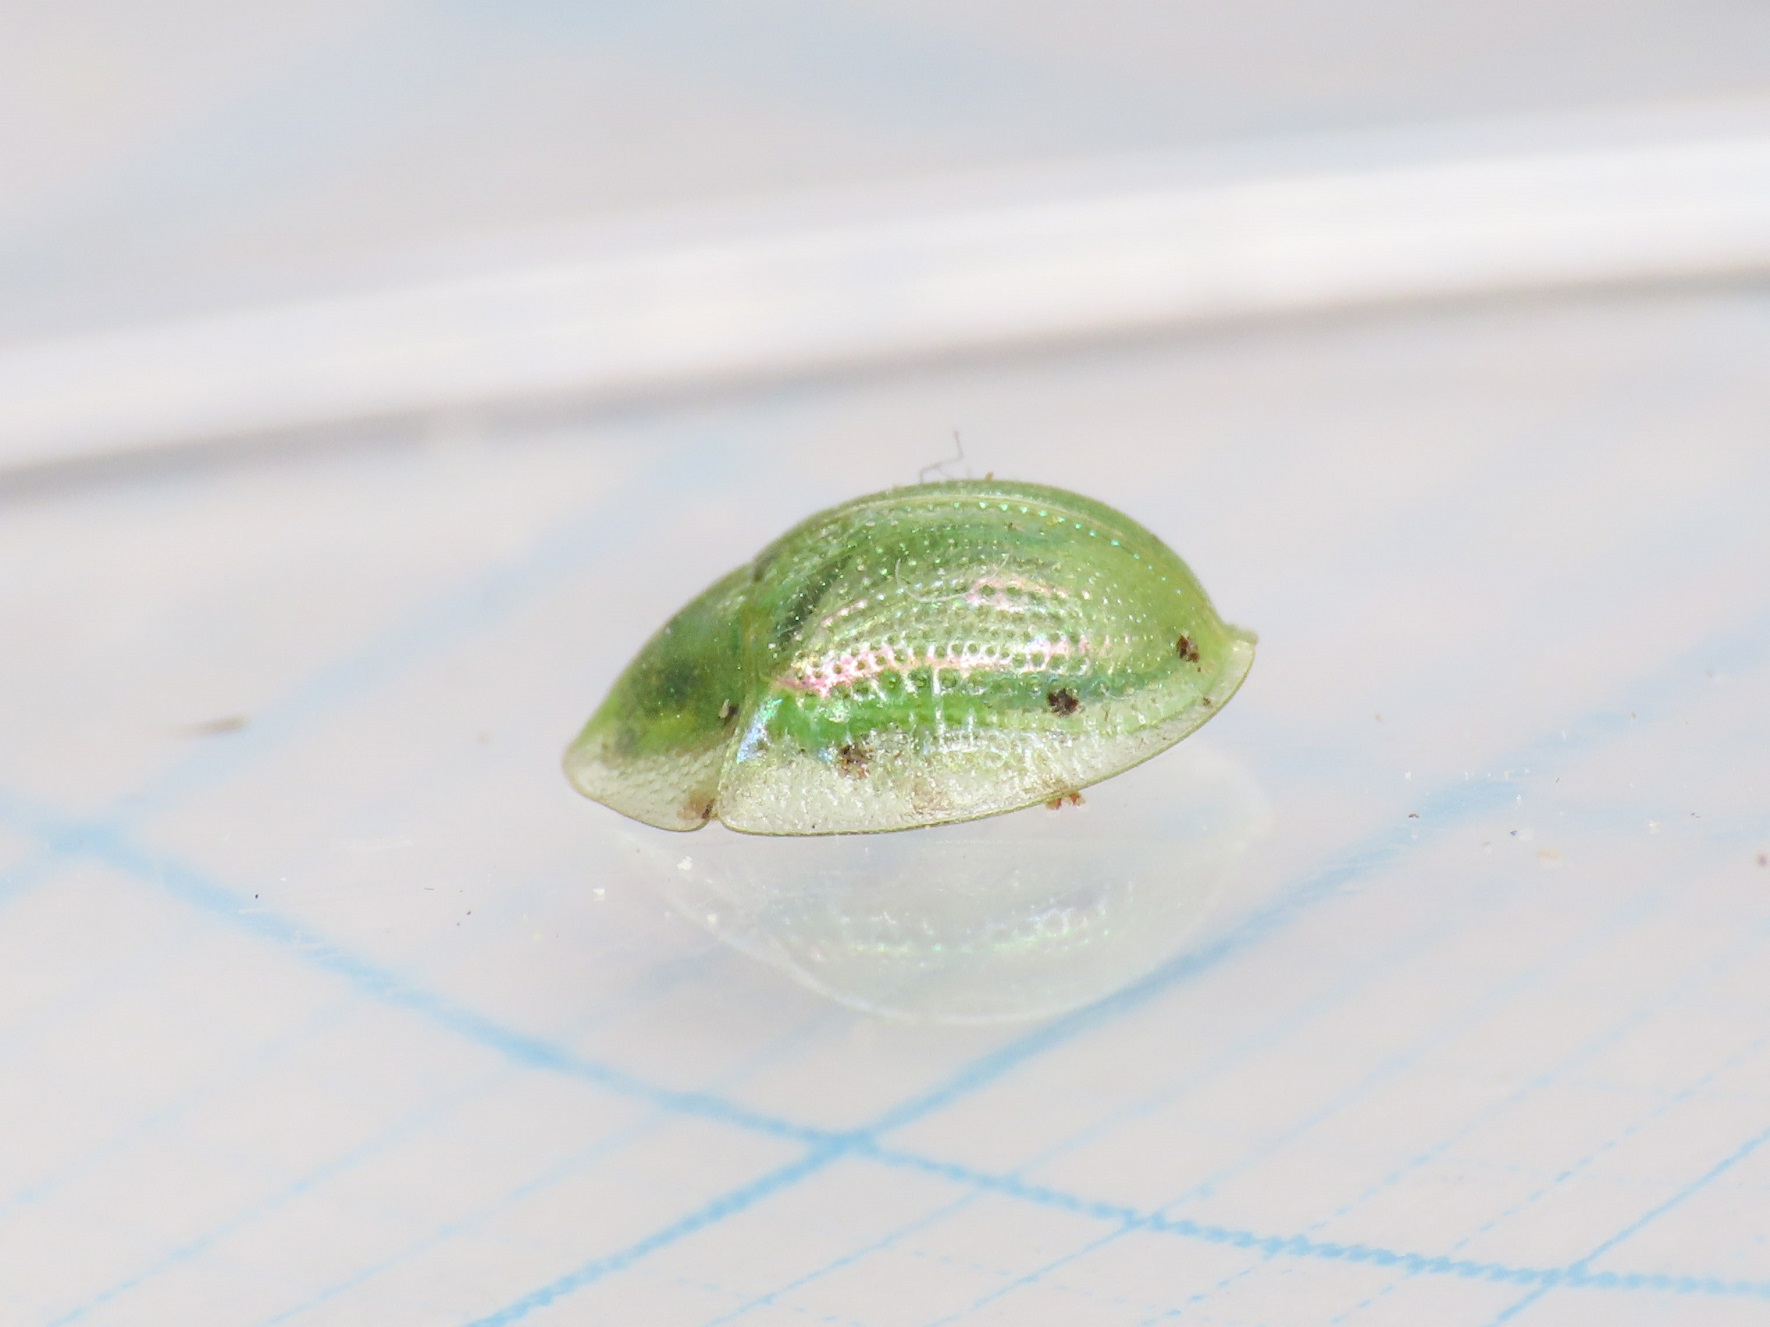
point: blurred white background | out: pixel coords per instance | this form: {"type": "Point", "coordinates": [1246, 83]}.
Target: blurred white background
{"type": "Point", "coordinates": [195, 157]}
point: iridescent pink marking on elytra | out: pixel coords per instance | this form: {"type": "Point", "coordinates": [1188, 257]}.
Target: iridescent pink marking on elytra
{"type": "Point", "coordinates": [823, 675]}
{"type": "Point", "coordinates": [854, 607]}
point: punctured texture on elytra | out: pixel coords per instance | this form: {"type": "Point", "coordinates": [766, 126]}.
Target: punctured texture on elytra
{"type": "Point", "coordinates": [915, 657]}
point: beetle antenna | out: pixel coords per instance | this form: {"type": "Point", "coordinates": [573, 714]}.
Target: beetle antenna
{"type": "Point", "coordinates": [958, 455]}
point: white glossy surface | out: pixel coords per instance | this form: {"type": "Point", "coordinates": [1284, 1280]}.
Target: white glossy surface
{"type": "Point", "coordinates": [326, 996]}
{"type": "Point", "coordinates": [1004, 919]}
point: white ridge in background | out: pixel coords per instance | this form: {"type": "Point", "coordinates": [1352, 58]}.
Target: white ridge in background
{"type": "Point", "coordinates": [804, 285]}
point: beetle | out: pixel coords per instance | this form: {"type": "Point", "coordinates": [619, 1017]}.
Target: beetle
{"type": "Point", "coordinates": [928, 654]}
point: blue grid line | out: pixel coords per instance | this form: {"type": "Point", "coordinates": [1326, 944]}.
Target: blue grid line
{"type": "Point", "coordinates": [432, 1110]}
{"type": "Point", "coordinates": [726, 1205]}
{"type": "Point", "coordinates": [388, 1138]}
{"type": "Point", "coordinates": [614, 1142]}
{"type": "Point", "coordinates": [1463, 799]}
{"type": "Point", "coordinates": [427, 1113]}
{"type": "Point", "coordinates": [196, 889]}
{"type": "Point", "coordinates": [43, 1018]}
{"type": "Point", "coordinates": [1441, 809]}
{"type": "Point", "coordinates": [457, 614]}
{"type": "Point", "coordinates": [846, 1260]}
{"type": "Point", "coordinates": [1579, 1273]}
{"type": "Point", "coordinates": [142, 1127]}
{"type": "Point", "coordinates": [193, 887]}
{"type": "Point", "coordinates": [880, 1244]}
{"type": "Point", "coordinates": [1364, 975]}
{"type": "Point", "coordinates": [27, 873]}
{"type": "Point", "coordinates": [691, 465]}
{"type": "Point", "coordinates": [695, 464]}
{"type": "Point", "coordinates": [139, 868]}
{"type": "Point", "coordinates": [1708, 972]}
{"type": "Point", "coordinates": [1404, 1264]}
{"type": "Point", "coordinates": [1645, 905]}
{"type": "Point", "coordinates": [146, 1126]}
{"type": "Point", "coordinates": [1302, 1246]}
{"type": "Point", "coordinates": [624, 1137]}
{"type": "Point", "coordinates": [1467, 1015]}
{"type": "Point", "coordinates": [659, 979]}
{"type": "Point", "coordinates": [1378, 851]}
{"type": "Point", "coordinates": [1446, 806]}
{"type": "Point", "coordinates": [1280, 1028]}
{"type": "Point", "coordinates": [993, 1067]}
{"type": "Point", "coordinates": [1449, 807]}
{"type": "Point", "coordinates": [1013, 1283]}
{"type": "Point", "coordinates": [1129, 1218]}
{"type": "Point", "coordinates": [115, 848]}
